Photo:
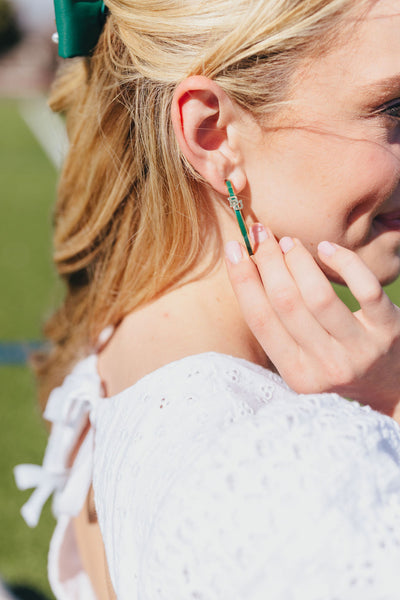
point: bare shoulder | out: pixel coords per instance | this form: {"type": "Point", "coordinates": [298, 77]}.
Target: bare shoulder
{"type": "Point", "coordinates": [195, 318]}
{"type": "Point", "coordinates": [171, 328]}
{"type": "Point", "coordinates": [136, 348]}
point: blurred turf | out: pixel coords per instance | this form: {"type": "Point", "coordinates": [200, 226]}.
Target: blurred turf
{"type": "Point", "coordinates": [28, 293]}
{"type": "Point", "coordinates": [23, 551]}
{"type": "Point", "coordinates": [27, 181]}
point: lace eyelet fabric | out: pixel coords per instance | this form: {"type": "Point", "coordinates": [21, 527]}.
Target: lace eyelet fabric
{"type": "Point", "coordinates": [214, 481]}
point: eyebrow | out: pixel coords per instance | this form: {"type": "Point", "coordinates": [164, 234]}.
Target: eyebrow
{"type": "Point", "coordinates": [382, 86]}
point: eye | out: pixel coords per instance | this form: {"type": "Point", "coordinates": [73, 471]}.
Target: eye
{"type": "Point", "coordinates": [391, 109]}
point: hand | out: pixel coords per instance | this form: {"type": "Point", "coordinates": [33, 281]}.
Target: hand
{"type": "Point", "coordinates": [316, 343]}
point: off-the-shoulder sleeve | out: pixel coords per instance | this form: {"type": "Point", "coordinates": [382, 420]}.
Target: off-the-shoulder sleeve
{"type": "Point", "coordinates": [297, 498]}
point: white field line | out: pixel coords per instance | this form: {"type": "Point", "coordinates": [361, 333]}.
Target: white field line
{"type": "Point", "coordinates": [47, 127]}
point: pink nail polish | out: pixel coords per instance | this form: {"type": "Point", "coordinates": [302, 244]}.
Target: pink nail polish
{"type": "Point", "coordinates": [233, 252]}
{"type": "Point", "coordinates": [286, 244]}
{"type": "Point", "coordinates": [326, 248]}
{"type": "Point", "coordinates": [258, 233]}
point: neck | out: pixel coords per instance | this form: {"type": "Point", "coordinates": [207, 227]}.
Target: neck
{"type": "Point", "coordinates": [202, 315]}
{"type": "Point", "coordinates": [207, 305]}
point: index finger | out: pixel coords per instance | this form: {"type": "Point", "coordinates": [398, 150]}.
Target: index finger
{"type": "Point", "coordinates": [318, 293]}
{"type": "Point", "coordinates": [259, 315]}
{"type": "Point", "coordinates": [361, 281]}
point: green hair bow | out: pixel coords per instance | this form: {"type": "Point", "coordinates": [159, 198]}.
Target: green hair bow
{"type": "Point", "coordinates": [79, 24]}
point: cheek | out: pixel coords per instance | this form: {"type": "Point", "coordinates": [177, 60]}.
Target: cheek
{"type": "Point", "coordinates": [328, 190]}
{"type": "Point", "coordinates": [373, 170]}
{"type": "Point", "coordinates": [370, 178]}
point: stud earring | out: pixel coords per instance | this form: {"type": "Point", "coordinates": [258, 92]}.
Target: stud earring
{"type": "Point", "coordinates": [237, 206]}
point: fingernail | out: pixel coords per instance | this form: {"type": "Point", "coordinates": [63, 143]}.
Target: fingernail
{"type": "Point", "coordinates": [258, 233]}
{"type": "Point", "coordinates": [286, 244]}
{"type": "Point", "coordinates": [326, 248]}
{"type": "Point", "coordinates": [233, 252]}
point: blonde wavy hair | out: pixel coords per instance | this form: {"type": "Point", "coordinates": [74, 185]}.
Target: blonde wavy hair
{"type": "Point", "coordinates": [132, 216]}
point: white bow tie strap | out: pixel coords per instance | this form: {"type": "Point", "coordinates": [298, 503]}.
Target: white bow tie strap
{"type": "Point", "coordinates": [46, 483]}
{"type": "Point", "coordinates": [68, 408]}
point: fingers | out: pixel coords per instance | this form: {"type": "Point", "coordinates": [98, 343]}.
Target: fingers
{"type": "Point", "coordinates": [311, 337]}
{"type": "Point", "coordinates": [317, 292]}
{"type": "Point", "coordinates": [278, 288]}
{"type": "Point", "coordinates": [288, 301]}
{"type": "Point", "coordinates": [284, 295]}
{"type": "Point", "coordinates": [363, 284]}
{"type": "Point", "coordinates": [255, 306]}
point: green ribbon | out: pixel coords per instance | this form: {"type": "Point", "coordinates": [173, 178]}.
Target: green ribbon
{"type": "Point", "coordinates": [79, 24]}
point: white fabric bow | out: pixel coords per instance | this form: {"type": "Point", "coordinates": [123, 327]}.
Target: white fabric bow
{"type": "Point", "coordinates": [34, 476]}
{"type": "Point", "coordinates": [68, 408]}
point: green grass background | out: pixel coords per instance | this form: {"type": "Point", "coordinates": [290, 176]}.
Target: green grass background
{"type": "Point", "coordinates": [28, 293]}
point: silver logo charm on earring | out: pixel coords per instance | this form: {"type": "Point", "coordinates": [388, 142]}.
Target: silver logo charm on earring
{"type": "Point", "coordinates": [235, 203]}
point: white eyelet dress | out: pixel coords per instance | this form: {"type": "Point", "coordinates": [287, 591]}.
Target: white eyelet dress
{"type": "Point", "coordinates": [214, 481]}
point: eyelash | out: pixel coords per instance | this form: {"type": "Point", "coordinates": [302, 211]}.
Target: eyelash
{"type": "Point", "coordinates": [391, 109]}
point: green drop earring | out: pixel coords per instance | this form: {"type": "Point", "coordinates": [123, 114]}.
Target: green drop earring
{"type": "Point", "coordinates": [237, 206]}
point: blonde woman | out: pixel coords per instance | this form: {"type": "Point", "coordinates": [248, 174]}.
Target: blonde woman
{"type": "Point", "coordinates": [194, 451]}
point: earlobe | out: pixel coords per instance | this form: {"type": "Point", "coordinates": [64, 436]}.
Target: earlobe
{"type": "Point", "coordinates": [203, 117]}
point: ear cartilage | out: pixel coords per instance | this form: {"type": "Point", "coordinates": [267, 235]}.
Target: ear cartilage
{"type": "Point", "coordinates": [237, 206]}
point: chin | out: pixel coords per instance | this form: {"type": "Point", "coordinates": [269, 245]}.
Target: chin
{"type": "Point", "coordinates": [388, 279]}
{"type": "Point", "coordinates": [384, 265]}
{"type": "Point", "coordinates": [387, 272]}
{"type": "Point", "coordinates": [382, 253]}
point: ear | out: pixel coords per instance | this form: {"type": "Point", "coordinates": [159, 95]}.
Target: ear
{"type": "Point", "coordinates": [204, 118]}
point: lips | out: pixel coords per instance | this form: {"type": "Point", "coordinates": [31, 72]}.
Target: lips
{"type": "Point", "coordinates": [390, 220]}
